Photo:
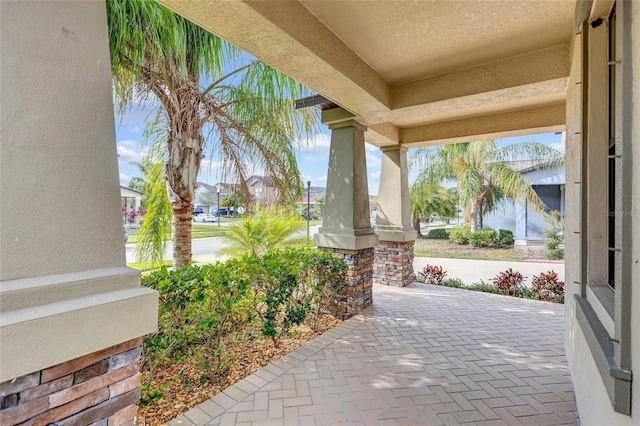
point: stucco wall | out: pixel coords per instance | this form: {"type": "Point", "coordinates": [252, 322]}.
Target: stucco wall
{"type": "Point", "coordinates": [64, 286]}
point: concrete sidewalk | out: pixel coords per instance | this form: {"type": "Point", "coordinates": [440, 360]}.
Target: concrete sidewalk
{"type": "Point", "coordinates": [472, 271]}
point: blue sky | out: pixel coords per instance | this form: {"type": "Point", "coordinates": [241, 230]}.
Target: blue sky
{"type": "Point", "coordinates": [313, 156]}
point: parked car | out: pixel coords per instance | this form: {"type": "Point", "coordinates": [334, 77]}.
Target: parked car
{"type": "Point", "coordinates": [204, 218]}
{"type": "Point", "coordinates": [197, 211]}
{"type": "Point", "coordinates": [223, 212]}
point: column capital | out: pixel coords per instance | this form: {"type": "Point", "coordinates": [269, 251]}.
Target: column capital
{"type": "Point", "coordinates": [336, 115]}
{"type": "Point", "coordinates": [401, 148]}
{"type": "Point", "coordinates": [348, 123]}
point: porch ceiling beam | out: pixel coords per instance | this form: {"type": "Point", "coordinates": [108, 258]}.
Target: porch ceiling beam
{"type": "Point", "coordinates": [382, 134]}
{"type": "Point", "coordinates": [550, 118]}
{"type": "Point", "coordinates": [522, 78]}
{"type": "Point", "coordinates": [287, 36]}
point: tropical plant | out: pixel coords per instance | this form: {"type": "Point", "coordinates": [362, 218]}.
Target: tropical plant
{"type": "Point", "coordinates": [256, 235]}
{"type": "Point", "coordinates": [552, 233]}
{"type": "Point", "coordinates": [548, 285]}
{"type": "Point", "coordinates": [432, 274]}
{"type": "Point", "coordinates": [245, 116]}
{"type": "Point", "coordinates": [157, 224]}
{"type": "Point", "coordinates": [508, 282]}
{"type": "Point", "coordinates": [233, 199]}
{"type": "Point", "coordinates": [483, 174]}
{"type": "Point", "coordinates": [430, 200]}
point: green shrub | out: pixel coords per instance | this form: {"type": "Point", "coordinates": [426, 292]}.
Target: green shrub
{"type": "Point", "coordinates": [553, 234]}
{"type": "Point", "coordinates": [200, 305]}
{"type": "Point", "coordinates": [483, 287]}
{"type": "Point", "coordinates": [526, 293]}
{"type": "Point", "coordinates": [485, 237]}
{"type": "Point", "coordinates": [505, 238]}
{"type": "Point", "coordinates": [460, 235]}
{"type": "Point", "coordinates": [555, 254]}
{"type": "Point", "coordinates": [453, 282]}
{"type": "Point", "coordinates": [438, 234]}
{"type": "Point", "coordinates": [197, 306]}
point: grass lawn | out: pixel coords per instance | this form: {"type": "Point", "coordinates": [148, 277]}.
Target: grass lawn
{"type": "Point", "coordinates": [197, 231]}
{"type": "Point", "coordinates": [447, 249]}
{"type": "Point", "coordinates": [145, 267]}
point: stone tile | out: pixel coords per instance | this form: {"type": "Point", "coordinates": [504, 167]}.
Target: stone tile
{"type": "Point", "coordinates": [399, 363]}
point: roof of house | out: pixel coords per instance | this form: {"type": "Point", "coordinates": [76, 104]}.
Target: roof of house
{"type": "Point", "coordinates": [129, 193]}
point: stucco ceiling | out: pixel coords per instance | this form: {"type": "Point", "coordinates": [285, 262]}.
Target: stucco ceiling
{"type": "Point", "coordinates": [405, 40]}
{"type": "Point", "coordinates": [416, 72]}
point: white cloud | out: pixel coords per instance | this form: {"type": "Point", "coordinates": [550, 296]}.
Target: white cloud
{"type": "Point", "coordinates": [128, 155]}
{"type": "Point", "coordinates": [319, 181]}
{"type": "Point", "coordinates": [124, 179]}
{"type": "Point", "coordinates": [136, 130]}
{"type": "Point", "coordinates": [559, 146]}
{"type": "Point", "coordinates": [373, 160]}
{"type": "Point", "coordinates": [375, 175]}
{"type": "Point", "coordinates": [129, 143]}
{"type": "Point", "coordinates": [320, 143]}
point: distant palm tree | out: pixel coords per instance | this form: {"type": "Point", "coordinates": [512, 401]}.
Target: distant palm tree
{"type": "Point", "coordinates": [247, 115]}
{"type": "Point", "coordinates": [428, 200]}
{"type": "Point", "coordinates": [483, 174]}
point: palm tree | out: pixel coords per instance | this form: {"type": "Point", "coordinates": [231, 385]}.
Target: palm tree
{"type": "Point", "coordinates": [483, 174]}
{"type": "Point", "coordinates": [430, 200]}
{"type": "Point", "coordinates": [246, 115]}
{"type": "Point", "coordinates": [266, 230]}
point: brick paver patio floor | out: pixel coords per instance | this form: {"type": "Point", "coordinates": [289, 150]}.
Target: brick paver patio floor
{"type": "Point", "coordinates": [421, 355]}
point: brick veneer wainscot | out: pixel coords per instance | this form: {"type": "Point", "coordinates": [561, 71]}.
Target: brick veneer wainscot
{"type": "Point", "coordinates": [101, 388]}
{"type": "Point", "coordinates": [357, 293]}
{"type": "Point", "coordinates": [393, 264]}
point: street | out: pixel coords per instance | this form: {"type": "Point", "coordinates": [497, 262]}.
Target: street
{"type": "Point", "coordinates": [204, 250]}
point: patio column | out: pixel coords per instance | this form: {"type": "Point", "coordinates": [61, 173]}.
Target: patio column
{"type": "Point", "coordinates": [393, 263]}
{"type": "Point", "coordinates": [346, 229]}
{"type": "Point", "coordinates": [72, 313]}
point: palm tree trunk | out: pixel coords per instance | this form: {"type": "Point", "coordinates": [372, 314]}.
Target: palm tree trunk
{"type": "Point", "coordinates": [416, 224]}
{"type": "Point", "coordinates": [183, 165]}
{"type": "Point", "coordinates": [474, 215]}
{"type": "Point", "coordinates": [181, 233]}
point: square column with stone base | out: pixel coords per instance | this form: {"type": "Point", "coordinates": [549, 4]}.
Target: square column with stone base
{"type": "Point", "coordinates": [393, 263]}
{"type": "Point", "coordinates": [346, 229]}
{"type": "Point", "coordinates": [72, 313]}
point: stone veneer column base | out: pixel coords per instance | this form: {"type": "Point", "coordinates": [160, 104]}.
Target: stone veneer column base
{"type": "Point", "coordinates": [101, 388]}
{"type": "Point", "coordinates": [393, 264]}
{"type": "Point", "coordinates": [357, 293]}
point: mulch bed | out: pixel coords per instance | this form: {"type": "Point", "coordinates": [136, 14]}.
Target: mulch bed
{"type": "Point", "coordinates": [184, 385]}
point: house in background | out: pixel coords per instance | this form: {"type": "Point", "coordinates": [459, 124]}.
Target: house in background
{"type": "Point", "coordinates": [525, 222]}
{"type": "Point", "coordinates": [206, 196]}
{"type": "Point", "coordinates": [262, 190]}
{"type": "Point", "coordinates": [131, 201]}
